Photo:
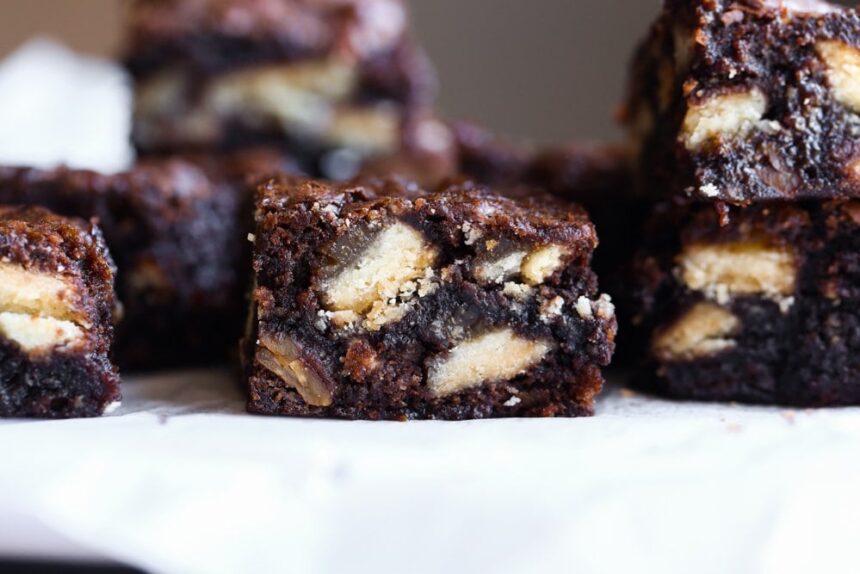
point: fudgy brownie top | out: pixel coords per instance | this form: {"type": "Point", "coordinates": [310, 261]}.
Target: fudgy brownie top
{"type": "Point", "coordinates": [167, 186]}
{"type": "Point", "coordinates": [216, 30]}
{"type": "Point", "coordinates": [315, 25]}
{"type": "Point", "coordinates": [241, 166]}
{"type": "Point", "coordinates": [152, 179]}
{"type": "Point", "coordinates": [578, 171]}
{"type": "Point", "coordinates": [532, 216]}
{"type": "Point", "coordinates": [164, 187]}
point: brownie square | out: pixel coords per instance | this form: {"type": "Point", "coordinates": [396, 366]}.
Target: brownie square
{"type": "Point", "coordinates": [331, 82]}
{"type": "Point", "coordinates": [761, 308]}
{"type": "Point", "coordinates": [56, 317]}
{"type": "Point", "coordinates": [384, 301]}
{"type": "Point", "coordinates": [177, 232]}
{"type": "Point", "coordinates": [743, 101]}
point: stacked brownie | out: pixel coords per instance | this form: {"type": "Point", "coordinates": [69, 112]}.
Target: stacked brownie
{"type": "Point", "coordinates": [745, 118]}
{"type": "Point", "coordinates": [330, 82]}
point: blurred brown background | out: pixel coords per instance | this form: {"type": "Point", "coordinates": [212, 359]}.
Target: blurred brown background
{"type": "Point", "coordinates": [546, 69]}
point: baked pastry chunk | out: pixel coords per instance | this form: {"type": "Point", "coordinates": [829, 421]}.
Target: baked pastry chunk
{"type": "Point", "coordinates": [761, 309]}
{"type": "Point", "coordinates": [741, 101]}
{"type": "Point", "coordinates": [331, 81]}
{"type": "Point", "coordinates": [384, 301]}
{"type": "Point", "coordinates": [56, 317]}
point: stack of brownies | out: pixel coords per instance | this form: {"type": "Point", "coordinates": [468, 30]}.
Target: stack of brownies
{"type": "Point", "coordinates": [380, 298]}
{"type": "Point", "coordinates": [746, 120]}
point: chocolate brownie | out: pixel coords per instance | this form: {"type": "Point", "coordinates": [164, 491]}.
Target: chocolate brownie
{"type": "Point", "coordinates": [176, 230]}
{"type": "Point", "coordinates": [383, 301]}
{"type": "Point", "coordinates": [330, 81]}
{"type": "Point", "coordinates": [758, 304]}
{"type": "Point", "coordinates": [56, 317]}
{"type": "Point", "coordinates": [748, 100]}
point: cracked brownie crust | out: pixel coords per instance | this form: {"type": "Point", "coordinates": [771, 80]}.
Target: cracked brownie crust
{"type": "Point", "coordinates": [387, 302]}
{"type": "Point", "coordinates": [761, 308]}
{"type": "Point", "coordinates": [56, 317]}
{"type": "Point", "coordinates": [741, 101]}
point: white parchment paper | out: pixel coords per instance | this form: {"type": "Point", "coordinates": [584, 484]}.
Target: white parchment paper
{"type": "Point", "coordinates": [181, 480]}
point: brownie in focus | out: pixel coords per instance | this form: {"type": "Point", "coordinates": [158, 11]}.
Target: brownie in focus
{"type": "Point", "coordinates": [383, 301]}
{"type": "Point", "coordinates": [56, 317]}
